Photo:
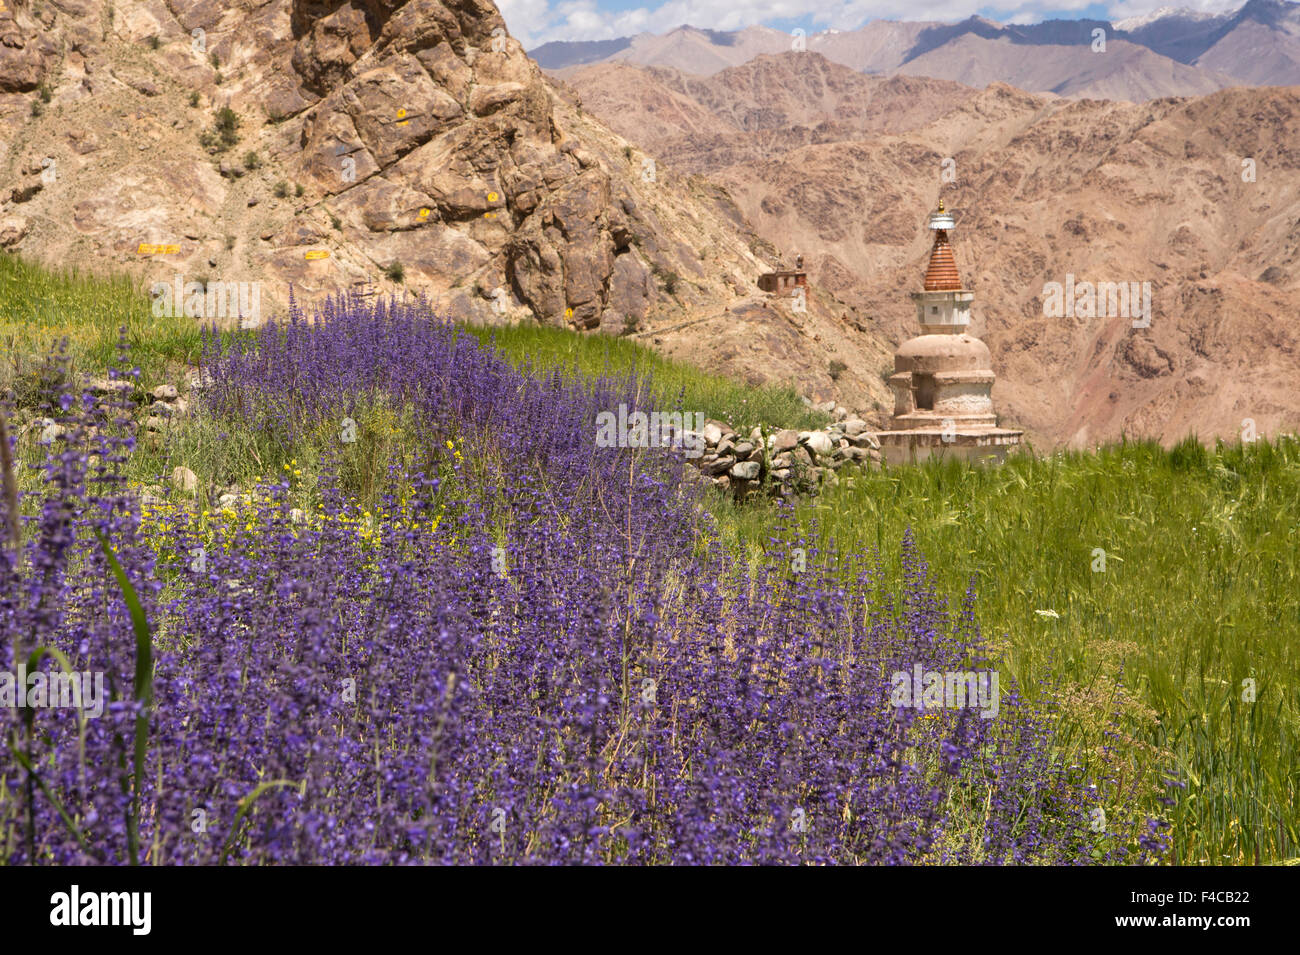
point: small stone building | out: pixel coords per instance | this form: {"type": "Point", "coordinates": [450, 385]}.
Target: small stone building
{"type": "Point", "coordinates": [784, 280]}
{"type": "Point", "coordinates": [943, 378]}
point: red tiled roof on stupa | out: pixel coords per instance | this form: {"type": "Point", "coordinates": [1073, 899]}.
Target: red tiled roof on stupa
{"type": "Point", "coordinates": [941, 275]}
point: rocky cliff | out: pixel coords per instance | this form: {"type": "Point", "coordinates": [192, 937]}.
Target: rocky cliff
{"type": "Point", "coordinates": [375, 145]}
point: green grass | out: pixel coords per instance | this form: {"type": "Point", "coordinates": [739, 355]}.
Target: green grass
{"type": "Point", "coordinates": [716, 396]}
{"type": "Point", "coordinates": [1200, 591]}
{"type": "Point", "coordinates": [39, 306]}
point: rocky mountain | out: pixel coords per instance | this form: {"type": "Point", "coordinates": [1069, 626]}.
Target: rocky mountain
{"type": "Point", "coordinates": [1199, 197]}
{"type": "Point", "coordinates": [1258, 43]}
{"type": "Point", "coordinates": [1173, 53]}
{"type": "Point", "coordinates": [377, 146]}
{"type": "Point", "coordinates": [685, 48]}
{"type": "Point", "coordinates": [1125, 71]}
{"type": "Point", "coordinates": [772, 104]}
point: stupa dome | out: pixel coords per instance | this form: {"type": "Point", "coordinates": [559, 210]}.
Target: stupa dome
{"type": "Point", "coordinates": [929, 354]}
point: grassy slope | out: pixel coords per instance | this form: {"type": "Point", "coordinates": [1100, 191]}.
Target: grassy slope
{"type": "Point", "coordinates": [39, 306]}
{"type": "Point", "coordinates": [1200, 591]}
{"type": "Point", "coordinates": [671, 382]}
{"type": "Point", "coordinates": [1201, 588]}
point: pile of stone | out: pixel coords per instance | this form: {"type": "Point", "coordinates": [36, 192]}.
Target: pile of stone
{"type": "Point", "coordinates": [785, 462]}
{"type": "Point", "coordinates": [166, 407]}
{"type": "Point", "coordinates": [165, 402]}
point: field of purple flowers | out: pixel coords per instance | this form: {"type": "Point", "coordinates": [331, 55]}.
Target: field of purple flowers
{"type": "Point", "coordinates": [530, 649]}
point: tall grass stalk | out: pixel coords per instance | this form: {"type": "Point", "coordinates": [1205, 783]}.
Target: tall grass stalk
{"type": "Point", "coordinates": [1175, 572]}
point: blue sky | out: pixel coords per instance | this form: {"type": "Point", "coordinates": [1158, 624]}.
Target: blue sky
{"type": "Point", "coordinates": [535, 22]}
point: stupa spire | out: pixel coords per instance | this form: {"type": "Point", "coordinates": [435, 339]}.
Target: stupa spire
{"type": "Point", "coordinates": [941, 275]}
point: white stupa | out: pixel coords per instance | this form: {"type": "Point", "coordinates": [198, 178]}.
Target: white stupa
{"type": "Point", "coordinates": [943, 378]}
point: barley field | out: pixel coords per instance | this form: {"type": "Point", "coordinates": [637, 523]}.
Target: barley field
{"type": "Point", "coordinates": [1145, 602]}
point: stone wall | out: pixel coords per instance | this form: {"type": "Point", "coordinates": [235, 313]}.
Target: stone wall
{"type": "Point", "coordinates": [783, 462]}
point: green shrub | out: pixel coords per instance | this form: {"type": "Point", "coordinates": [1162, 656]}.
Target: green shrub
{"type": "Point", "coordinates": [224, 132]}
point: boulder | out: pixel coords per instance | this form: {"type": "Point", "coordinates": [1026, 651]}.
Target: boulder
{"type": "Point", "coordinates": [13, 229]}
{"type": "Point", "coordinates": [745, 470]}
{"type": "Point", "coordinates": [818, 442]}
{"type": "Point", "coordinates": [784, 441]}
{"type": "Point", "coordinates": [110, 386]}
{"type": "Point", "coordinates": [24, 60]}
{"type": "Point", "coordinates": [185, 480]}
{"type": "Point", "coordinates": [51, 432]}
{"type": "Point", "coordinates": [721, 465]}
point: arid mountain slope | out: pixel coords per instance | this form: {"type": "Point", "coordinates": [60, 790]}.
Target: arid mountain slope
{"type": "Point", "coordinates": [1175, 53]}
{"type": "Point", "coordinates": [371, 135]}
{"type": "Point", "coordinates": [685, 48]}
{"type": "Point", "coordinates": [1125, 71]}
{"type": "Point", "coordinates": [705, 123]}
{"type": "Point", "coordinates": [1045, 188]}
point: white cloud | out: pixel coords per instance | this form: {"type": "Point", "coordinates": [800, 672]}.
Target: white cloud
{"type": "Point", "coordinates": [535, 22]}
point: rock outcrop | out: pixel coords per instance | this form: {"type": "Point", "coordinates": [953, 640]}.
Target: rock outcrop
{"type": "Point", "coordinates": [372, 145]}
{"type": "Point", "coordinates": [381, 146]}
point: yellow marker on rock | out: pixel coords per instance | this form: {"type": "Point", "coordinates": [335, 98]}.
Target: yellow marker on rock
{"type": "Point", "coordinates": [317, 254]}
